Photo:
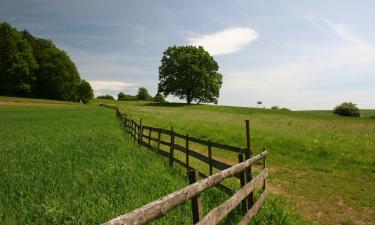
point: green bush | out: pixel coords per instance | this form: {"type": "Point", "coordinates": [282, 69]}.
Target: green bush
{"type": "Point", "coordinates": [275, 107]}
{"type": "Point", "coordinates": [347, 109]}
{"type": "Point", "coordinates": [159, 98]}
{"type": "Point", "coordinates": [372, 117]}
{"type": "Point", "coordinates": [106, 97]}
{"type": "Point", "coordinates": [124, 97]}
{"type": "Point", "coordinates": [143, 94]}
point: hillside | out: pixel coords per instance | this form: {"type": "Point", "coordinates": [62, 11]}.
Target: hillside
{"type": "Point", "coordinates": [322, 164]}
{"type": "Point", "coordinates": [72, 164]}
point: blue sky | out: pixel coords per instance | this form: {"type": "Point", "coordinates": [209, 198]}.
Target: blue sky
{"type": "Point", "coordinates": [295, 54]}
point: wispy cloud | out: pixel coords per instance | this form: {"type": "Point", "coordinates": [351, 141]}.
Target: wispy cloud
{"type": "Point", "coordinates": [323, 75]}
{"type": "Point", "coordinates": [227, 41]}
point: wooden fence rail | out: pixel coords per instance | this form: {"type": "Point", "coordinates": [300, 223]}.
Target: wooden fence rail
{"type": "Point", "coordinates": [151, 138]}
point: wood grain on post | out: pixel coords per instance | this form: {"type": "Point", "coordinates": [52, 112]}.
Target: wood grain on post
{"type": "Point", "coordinates": [254, 209]}
{"type": "Point", "coordinates": [248, 154]}
{"type": "Point", "coordinates": [210, 156]}
{"type": "Point", "coordinates": [159, 136]}
{"type": "Point", "coordinates": [149, 138]}
{"type": "Point", "coordinates": [245, 205]}
{"type": "Point", "coordinates": [187, 151]}
{"type": "Point", "coordinates": [160, 207]}
{"type": "Point", "coordinates": [218, 213]}
{"type": "Point", "coordinates": [171, 150]}
{"type": "Point", "coordinates": [140, 132]}
{"type": "Point", "coordinates": [195, 201]}
{"type": "Point", "coordinates": [264, 166]}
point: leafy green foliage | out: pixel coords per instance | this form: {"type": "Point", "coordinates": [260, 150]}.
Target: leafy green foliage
{"type": "Point", "coordinates": [189, 73]}
{"type": "Point", "coordinates": [106, 97]}
{"type": "Point", "coordinates": [347, 109]}
{"type": "Point", "coordinates": [35, 67]}
{"type": "Point", "coordinates": [85, 92]}
{"type": "Point", "coordinates": [143, 94]}
{"type": "Point", "coordinates": [17, 63]}
{"type": "Point", "coordinates": [159, 98]}
{"type": "Point", "coordinates": [124, 97]}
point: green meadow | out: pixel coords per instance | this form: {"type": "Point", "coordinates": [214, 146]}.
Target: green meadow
{"type": "Point", "coordinates": [322, 165]}
{"type": "Point", "coordinates": [73, 164]}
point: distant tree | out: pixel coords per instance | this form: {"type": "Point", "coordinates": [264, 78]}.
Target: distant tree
{"type": "Point", "coordinates": [124, 97]}
{"type": "Point", "coordinates": [143, 94]}
{"type": "Point", "coordinates": [159, 98]}
{"type": "Point", "coordinates": [85, 92]}
{"type": "Point", "coordinates": [275, 107]}
{"type": "Point", "coordinates": [347, 109]}
{"type": "Point", "coordinates": [106, 97]}
{"type": "Point", "coordinates": [17, 63]}
{"type": "Point", "coordinates": [190, 73]}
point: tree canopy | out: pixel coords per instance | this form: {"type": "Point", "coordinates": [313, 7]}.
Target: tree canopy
{"type": "Point", "coordinates": [143, 94]}
{"type": "Point", "coordinates": [35, 67]}
{"type": "Point", "coordinates": [190, 73]}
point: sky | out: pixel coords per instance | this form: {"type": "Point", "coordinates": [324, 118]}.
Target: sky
{"type": "Point", "coordinates": [311, 54]}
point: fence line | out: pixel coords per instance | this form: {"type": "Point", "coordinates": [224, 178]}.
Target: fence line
{"type": "Point", "coordinates": [143, 135]}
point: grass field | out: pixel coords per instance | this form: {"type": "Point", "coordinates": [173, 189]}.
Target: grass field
{"type": "Point", "coordinates": [323, 165]}
{"type": "Point", "coordinates": [72, 164]}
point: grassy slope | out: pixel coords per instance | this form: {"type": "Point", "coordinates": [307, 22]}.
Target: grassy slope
{"type": "Point", "coordinates": [73, 165]}
{"type": "Point", "coordinates": [323, 164]}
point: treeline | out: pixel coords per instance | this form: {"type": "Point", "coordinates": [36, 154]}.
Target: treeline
{"type": "Point", "coordinates": [141, 95]}
{"type": "Point", "coordinates": [35, 67]}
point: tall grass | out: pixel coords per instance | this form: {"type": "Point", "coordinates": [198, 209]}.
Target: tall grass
{"type": "Point", "coordinates": [323, 164]}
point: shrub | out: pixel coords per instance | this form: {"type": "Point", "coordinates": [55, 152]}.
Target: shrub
{"type": "Point", "coordinates": [347, 109]}
{"type": "Point", "coordinates": [275, 107]}
{"type": "Point", "coordinates": [143, 94]}
{"type": "Point", "coordinates": [372, 117]}
{"type": "Point", "coordinates": [159, 97]}
{"type": "Point", "coordinates": [106, 97]}
{"type": "Point", "coordinates": [124, 97]}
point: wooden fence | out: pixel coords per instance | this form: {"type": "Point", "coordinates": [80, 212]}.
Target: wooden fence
{"type": "Point", "coordinates": [151, 137]}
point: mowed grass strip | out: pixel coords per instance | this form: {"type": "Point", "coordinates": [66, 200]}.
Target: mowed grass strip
{"type": "Point", "coordinates": [323, 164]}
{"type": "Point", "coordinates": [62, 165]}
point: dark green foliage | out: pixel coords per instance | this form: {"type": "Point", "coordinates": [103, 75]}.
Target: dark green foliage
{"type": "Point", "coordinates": [17, 63]}
{"type": "Point", "coordinates": [35, 67]}
{"type": "Point", "coordinates": [372, 117]}
{"type": "Point", "coordinates": [275, 107]}
{"type": "Point", "coordinates": [124, 97]}
{"type": "Point", "coordinates": [347, 109]}
{"type": "Point", "coordinates": [189, 73]}
{"type": "Point", "coordinates": [85, 92]}
{"type": "Point", "coordinates": [106, 97]}
{"type": "Point", "coordinates": [159, 98]}
{"type": "Point", "coordinates": [143, 94]}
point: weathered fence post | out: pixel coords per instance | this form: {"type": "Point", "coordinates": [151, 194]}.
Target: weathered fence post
{"type": "Point", "coordinates": [196, 201]}
{"type": "Point", "coordinates": [159, 135]}
{"type": "Point", "coordinates": [171, 148]}
{"type": "Point", "coordinates": [245, 205]}
{"type": "Point", "coordinates": [149, 138]}
{"type": "Point", "coordinates": [187, 152]}
{"type": "Point", "coordinates": [248, 154]}
{"type": "Point", "coordinates": [140, 132]}
{"type": "Point", "coordinates": [210, 156]}
{"type": "Point", "coordinates": [264, 167]}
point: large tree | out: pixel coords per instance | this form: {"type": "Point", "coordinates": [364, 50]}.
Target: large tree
{"type": "Point", "coordinates": [17, 63]}
{"type": "Point", "coordinates": [190, 73]}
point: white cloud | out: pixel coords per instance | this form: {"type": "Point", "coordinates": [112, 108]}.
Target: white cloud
{"type": "Point", "coordinates": [98, 85]}
{"type": "Point", "coordinates": [320, 78]}
{"type": "Point", "coordinates": [227, 41]}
